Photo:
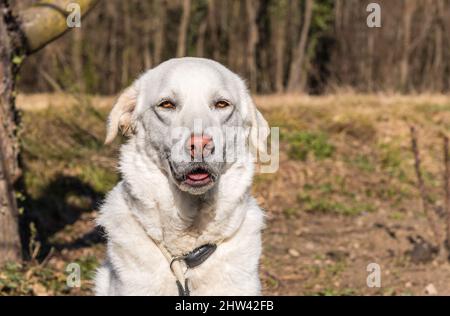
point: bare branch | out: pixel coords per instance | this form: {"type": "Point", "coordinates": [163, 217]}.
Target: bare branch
{"type": "Point", "coordinates": [447, 189]}
{"type": "Point", "coordinates": [45, 21]}
{"type": "Point", "coordinates": [421, 186]}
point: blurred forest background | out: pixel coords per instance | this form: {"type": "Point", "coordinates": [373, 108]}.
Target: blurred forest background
{"type": "Point", "coordinates": [277, 45]}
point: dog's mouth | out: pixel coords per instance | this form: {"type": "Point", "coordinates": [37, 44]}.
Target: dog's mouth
{"type": "Point", "coordinates": [195, 178]}
{"type": "Point", "coordinates": [198, 177]}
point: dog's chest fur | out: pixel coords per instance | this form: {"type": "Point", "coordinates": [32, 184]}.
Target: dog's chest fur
{"type": "Point", "coordinates": [136, 266]}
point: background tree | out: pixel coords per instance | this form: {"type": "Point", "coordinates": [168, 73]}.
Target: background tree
{"type": "Point", "coordinates": [183, 30]}
{"type": "Point", "coordinates": [252, 7]}
{"type": "Point", "coordinates": [296, 69]}
{"type": "Point", "coordinates": [265, 41]}
{"type": "Point", "coordinates": [20, 35]}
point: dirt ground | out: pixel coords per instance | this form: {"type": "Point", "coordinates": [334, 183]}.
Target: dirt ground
{"type": "Point", "coordinates": [345, 194]}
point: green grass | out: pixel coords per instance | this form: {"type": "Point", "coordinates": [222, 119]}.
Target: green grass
{"type": "Point", "coordinates": [397, 216]}
{"type": "Point", "coordinates": [392, 160]}
{"type": "Point", "coordinates": [302, 144]}
{"type": "Point", "coordinates": [323, 188]}
{"type": "Point", "coordinates": [363, 163]}
{"type": "Point", "coordinates": [334, 292]}
{"type": "Point", "coordinates": [432, 108]}
{"type": "Point", "coordinates": [290, 212]}
{"type": "Point", "coordinates": [88, 265]}
{"type": "Point", "coordinates": [329, 206]}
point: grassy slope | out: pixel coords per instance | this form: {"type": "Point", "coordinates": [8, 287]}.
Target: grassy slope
{"type": "Point", "coordinates": [346, 177]}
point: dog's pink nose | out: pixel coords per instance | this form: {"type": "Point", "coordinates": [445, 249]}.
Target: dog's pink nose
{"type": "Point", "coordinates": [201, 146]}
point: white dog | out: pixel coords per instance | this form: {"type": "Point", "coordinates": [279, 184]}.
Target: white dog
{"type": "Point", "coordinates": [178, 226]}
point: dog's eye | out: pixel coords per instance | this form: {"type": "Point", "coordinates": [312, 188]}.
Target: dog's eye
{"type": "Point", "coordinates": [222, 104]}
{"type": "Point", "coordinates": [167, 105]}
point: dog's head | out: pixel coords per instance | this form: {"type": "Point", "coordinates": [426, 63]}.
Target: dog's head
{"type": "Point", "coordinates": [191, 116]}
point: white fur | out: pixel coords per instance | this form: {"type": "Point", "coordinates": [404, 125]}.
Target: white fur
{"type": "Point", "coordinates": [145, 207]}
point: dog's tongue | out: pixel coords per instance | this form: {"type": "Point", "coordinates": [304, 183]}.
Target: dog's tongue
{"type": "Point", "coordinates": [197, 176]}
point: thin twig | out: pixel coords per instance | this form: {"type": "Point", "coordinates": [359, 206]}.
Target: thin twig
{"type": "Point", "coordinates": [447, 190]}
{"type": "Point", "coordinates": [47, 257]}
{"type": "Point", "coordinates": [421, 186]}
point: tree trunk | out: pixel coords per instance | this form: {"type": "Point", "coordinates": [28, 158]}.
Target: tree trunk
{"type": "Point", "coordinates": [113, 43]}
{"type": "Point", "coordinates": [263, 51]}
{"type": "Point", "coordinates": [10, 41]}
{"type": "Point", "coordinates": [160, 32]}
{"type": "Point", "coordinates": [252, 9]}
{"type": "Point", "coordinates": [183, 30]}
{"type": "Point", "coordinates": [438, 72]}
{"type": "Point", "coordinates": [404, 63]}
{"type": "Point", "coordinates": [77, 59]}
{"type": "Point", "coordinates": [200, 47]}
{"type": "Point", "coordinates": [234, 51]}
{"type": "Point", "coordinates": [369, 61]}
{"type": "Point", "coordinates": [213, 27]}
{"type": "Point", "coordinates": [295, 73]}
{"type": "Point", "coordinates": [38, 26]}
{"type": "Point", "coordinates": [279, 45]}
{"type": "Point", "coordinates": [148, 37]}
{"type": "Point", "coordinates": [126, 27]}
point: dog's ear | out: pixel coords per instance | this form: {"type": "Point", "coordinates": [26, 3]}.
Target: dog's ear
{"type": "Point", "coordinates": [121, 114]}
{"type": "Point", "coordinates": [259, 130]}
